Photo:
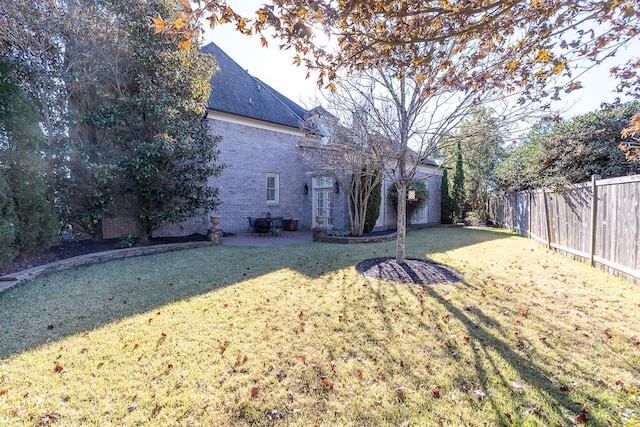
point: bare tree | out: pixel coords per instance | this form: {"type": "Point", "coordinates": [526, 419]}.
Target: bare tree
{"type": "Point", "coordinates": [411, 118]}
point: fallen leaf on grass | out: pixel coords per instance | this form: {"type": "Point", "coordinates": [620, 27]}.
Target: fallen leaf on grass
{"type": "Point", "coordinates": [436, 392]}
{"type": "Point", "coordinates": [3, 392]}
{"type": "Point", "coordinates": [52, 417]}
{"type": "Point", "coordinates": [582, 418]}
{"type": "Point", "coordinates": [254, 391]}
{"type": "Point", "coordinates": [327, 384]}
{"type": "Point", "coordinates": [156, 409]}
{"type": "Point", "coordinates": [58, 368]}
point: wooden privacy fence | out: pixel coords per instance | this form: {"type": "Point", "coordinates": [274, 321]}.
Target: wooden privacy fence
{"type": "Point", "coordinates": [597, 222]}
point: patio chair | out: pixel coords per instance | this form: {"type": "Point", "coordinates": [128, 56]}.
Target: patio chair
{"type": "Point", "coordinates": [277, 224]}
{"type": "Point", "coordinates": [252, 224]}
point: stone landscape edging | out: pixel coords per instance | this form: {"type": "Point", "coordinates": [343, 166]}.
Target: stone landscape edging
{"type": "Point", "coordinates": [319, 237]}
{"type": "Point", "coordinates": [11, 280]}
{"type": "Point", "coordinates": [353, 240]}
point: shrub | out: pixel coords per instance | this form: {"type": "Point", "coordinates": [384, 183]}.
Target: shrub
{"type": "Point", "coordinates": [8, 219]}
{"type": "Point", "coordinates": [373, 208]}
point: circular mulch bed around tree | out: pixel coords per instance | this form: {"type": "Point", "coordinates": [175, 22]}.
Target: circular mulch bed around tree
{"type": "Point", "coordinates": [412, 271]}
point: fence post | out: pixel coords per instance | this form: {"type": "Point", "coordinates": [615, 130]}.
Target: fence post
{"type": "Point", "coordinates": [546, 218]}
{"type": "Point", "coordinates": [530, 213]}
{"type": "Point", "coordinates": [594, 216]}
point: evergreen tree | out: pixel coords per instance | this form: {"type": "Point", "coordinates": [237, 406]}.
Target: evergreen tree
{"type": "Point", "coordinates": [23, 168]}
{"type": "Point", "coordinates": [446, 205]}
{"type": "Point", "coordinates": [141, 135]}
{"type": "Point", "coordinates": [457, 193]}
{"type": "Point", "coordinates": [555, 155]}
{"type": "Point", "coordinates": [168, 152]}
{"type": "Point", "coordinates": [373, 208]}
{"type": "Point", "coordinates": [8, 221]}
{"type": "Point", "coordinates": [483, 141]}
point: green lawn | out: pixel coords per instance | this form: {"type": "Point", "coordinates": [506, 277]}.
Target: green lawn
{"type": "Point", "coordinates": [294, 336]}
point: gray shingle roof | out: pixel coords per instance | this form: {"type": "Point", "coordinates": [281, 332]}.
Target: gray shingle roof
{"type": "Point", "coordinates": [235, 91]}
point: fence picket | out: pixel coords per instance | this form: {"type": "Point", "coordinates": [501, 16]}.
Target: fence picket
{"type": "Point", "coordinates": [597, 222]}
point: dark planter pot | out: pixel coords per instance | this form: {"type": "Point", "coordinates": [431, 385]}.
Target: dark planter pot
{"type": "Point", "coordinates": [290, 224]}
{"type": "Point", "coordinates": [262, 226]}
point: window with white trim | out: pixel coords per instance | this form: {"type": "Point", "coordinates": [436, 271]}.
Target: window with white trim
{"type": "Point", "coordinates": [273, 189]}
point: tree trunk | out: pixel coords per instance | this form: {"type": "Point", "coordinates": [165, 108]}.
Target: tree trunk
{"type": "Point", "coordinates": [401, 223]}
{"type": "Point", "coordinates": [144, 232]}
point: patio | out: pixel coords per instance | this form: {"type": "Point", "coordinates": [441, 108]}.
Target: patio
{"type": "Point", "coordinates": [285, 238]}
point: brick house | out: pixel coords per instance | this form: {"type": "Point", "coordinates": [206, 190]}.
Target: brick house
{"type": "Point", "coordinates": [262, 134]}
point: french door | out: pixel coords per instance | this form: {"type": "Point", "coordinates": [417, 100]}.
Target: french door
{"type": "Point", "coordinates": [323, 200]}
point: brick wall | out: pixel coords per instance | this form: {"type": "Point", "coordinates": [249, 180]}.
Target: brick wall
{"type": "Point", "coordinates": [120, 220]}
{"type": "Point", "coordinates": [250, 151]}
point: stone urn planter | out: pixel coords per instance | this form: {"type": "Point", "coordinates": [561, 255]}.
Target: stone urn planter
{"type": "Point", "coordinates": [215, 220]}
{"type": "Point", "coordinates": [320, 221]}
{"type": "Point", "coordinates": [215, 234]}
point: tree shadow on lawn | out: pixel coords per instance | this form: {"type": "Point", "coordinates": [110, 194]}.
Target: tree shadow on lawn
{"type": "Point", "coordinates": [69, 302]}
{"type": "Point", "coordinates": [488, 337]}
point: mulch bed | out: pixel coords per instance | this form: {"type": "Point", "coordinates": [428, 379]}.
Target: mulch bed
{"type": "Point", "coordinates": [71, 249]}
{"type": "Point", "coordinates": [412, 271]}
